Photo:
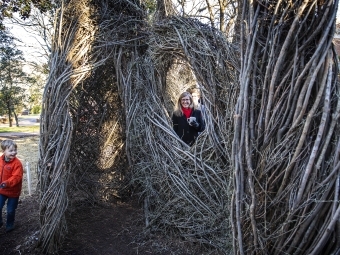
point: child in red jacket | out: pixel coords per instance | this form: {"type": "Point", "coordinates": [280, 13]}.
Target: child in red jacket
{"type": "Point", "coordinates": [11, 172]}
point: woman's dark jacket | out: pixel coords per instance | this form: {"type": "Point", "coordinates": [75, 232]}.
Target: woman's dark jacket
{"type": "Point", "coordinates": [188, 133]}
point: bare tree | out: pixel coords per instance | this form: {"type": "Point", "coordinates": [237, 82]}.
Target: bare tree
{"type": "Point", "coordinates": [39, 29]}
{"type": "Point", "coordinates": [219, 13]}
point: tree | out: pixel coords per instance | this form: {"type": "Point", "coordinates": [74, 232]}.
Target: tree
{"type": "Point", "coordinates": [219, 13]}
{"type": "Point", "coordinates": [39, 27]}
{"type": "Point", "coordinates": [8, 7]}
{"type": "Point", "coordinates": [12, 77]}
{"type": "Point", "coordinates": [36, 85]}
{"type": "Point", "coordinates": [37, 50]}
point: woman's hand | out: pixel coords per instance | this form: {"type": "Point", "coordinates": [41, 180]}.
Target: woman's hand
{"type": "Point", "coordinates": [194, 123]}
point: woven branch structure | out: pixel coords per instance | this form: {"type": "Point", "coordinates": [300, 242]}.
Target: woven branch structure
{"type": "Point", "coordinates": [262, 178]}
{"type": "Point", "coordinates": [286, 131]}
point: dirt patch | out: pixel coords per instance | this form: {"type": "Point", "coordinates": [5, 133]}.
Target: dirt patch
{"type": "Point", "coordinates": [115, 229]}
{"type": "Point", "coordinates": [112, 230]}
{"type": "Point", "coordinates": [26, 229]}
{"type": "Point", "coordinates": [95, 230]}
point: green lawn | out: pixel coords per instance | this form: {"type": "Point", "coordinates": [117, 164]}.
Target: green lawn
{"type": "Point", "coordinates": [24, 129]}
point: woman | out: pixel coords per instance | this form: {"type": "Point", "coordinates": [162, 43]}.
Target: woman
{"type": "Point", "coordinates": [187, 121]}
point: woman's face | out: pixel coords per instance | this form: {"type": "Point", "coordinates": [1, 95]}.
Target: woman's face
{"type": "Point", "coordinates": [185, 102]}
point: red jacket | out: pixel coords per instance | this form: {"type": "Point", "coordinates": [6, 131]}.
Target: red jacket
{"type": "Point", "coordinates": [11, 173]}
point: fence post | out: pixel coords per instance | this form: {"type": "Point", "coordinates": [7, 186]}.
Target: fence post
{"type": "Point", "coordinates": [28, 172]}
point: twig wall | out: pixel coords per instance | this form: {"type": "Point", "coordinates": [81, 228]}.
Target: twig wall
{"type": "Point", "coordinates": [286, 138]}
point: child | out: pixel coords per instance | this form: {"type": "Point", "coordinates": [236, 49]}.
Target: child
{"type": "Point", "coordinates": [11, 172]}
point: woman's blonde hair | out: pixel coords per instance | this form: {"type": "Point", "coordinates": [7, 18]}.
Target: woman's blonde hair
{"type": "Point", "coordinates": [178, 107]}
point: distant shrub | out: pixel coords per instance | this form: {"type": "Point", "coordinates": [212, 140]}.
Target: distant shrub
{"type": "Point", "coordinates": [36, 109]}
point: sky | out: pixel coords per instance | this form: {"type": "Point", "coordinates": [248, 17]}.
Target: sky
{"type": "Point", "coordinates": [28, 44]}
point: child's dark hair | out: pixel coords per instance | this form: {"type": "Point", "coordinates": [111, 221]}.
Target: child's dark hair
{"type": "Point", "coordinates": [5, 144]}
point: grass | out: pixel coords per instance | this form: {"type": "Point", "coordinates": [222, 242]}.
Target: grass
{"type": "Point", "coordinates": [23, 129]}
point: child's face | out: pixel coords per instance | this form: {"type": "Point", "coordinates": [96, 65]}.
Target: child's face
{"type": "Point", "coordinates": [10, 152]}
{"type": "Point", "coordinates": [195, 98]}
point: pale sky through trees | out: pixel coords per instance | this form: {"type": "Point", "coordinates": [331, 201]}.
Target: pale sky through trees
{"type": "Point", "coordinates": [26, 40]}
{"type": "Point", "coordinates": [27, 43]}
{"type": "Point", "coordinates": [30, 43]}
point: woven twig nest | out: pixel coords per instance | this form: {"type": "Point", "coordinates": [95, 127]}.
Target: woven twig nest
{"type": "Point", "coordinates": [247, 184]}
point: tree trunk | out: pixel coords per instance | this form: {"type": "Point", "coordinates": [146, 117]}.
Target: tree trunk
{"type": "Point", "coordinates": [10, 120]}
{"type": "Point", "coordinates": [16, 119]}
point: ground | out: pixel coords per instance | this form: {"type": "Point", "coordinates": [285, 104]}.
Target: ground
{"type": "Point", "coordinates": [116, 229]}
{"type": "Point", "coordinates": [113, 230]}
